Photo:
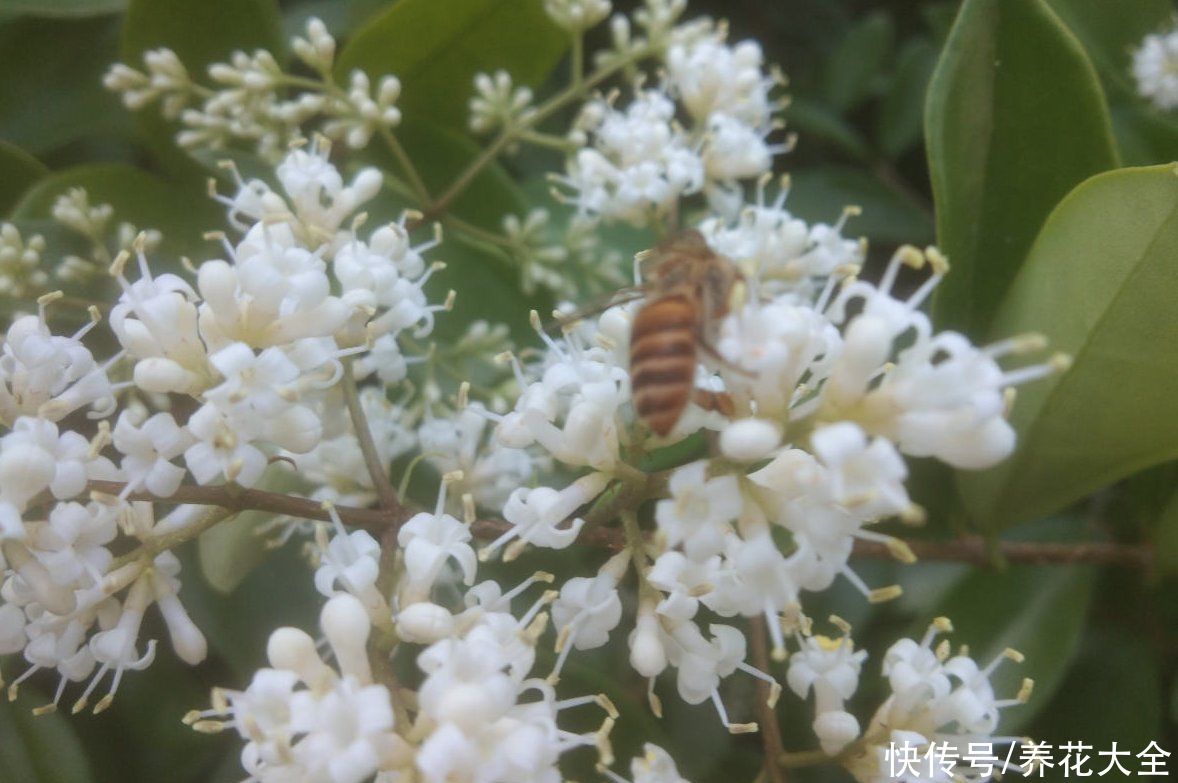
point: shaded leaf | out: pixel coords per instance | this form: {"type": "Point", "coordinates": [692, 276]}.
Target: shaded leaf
{"type": "Point", "coordinates": [1165, 539]}
{"type": "Point", "coordinates": [821, 192]}
{"type": "Point", "coordinates": [62, 8]}
{"type": "Point", "coordinates": [858, 60]}
{"type": "Point", "coordinates": [1112, 693]}
{"type": "Point", "coordinates": [51, 90]}
{"type": "Point", "coordinates": [1015, 118]}
{"type": "Point", "coordinates": [818, 123]}
{"type": "Point", "coordinates": [41, 749]}
{"type": "Point", "coordinates": [18, 170]}
{"type": "Point", "coordinates": [199, 33]}
{"type": "Point", "coordinates": [181, 213]}
{"type": "Point", "coordinates": [435, 49]}
{"type": "Point", "coordinates": [1100, 283]}
{"type": "Point", "coordinates": [901, 113]}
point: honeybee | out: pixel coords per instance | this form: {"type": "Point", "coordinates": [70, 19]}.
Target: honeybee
{"type": "Point", "coordinates": [687, 287]}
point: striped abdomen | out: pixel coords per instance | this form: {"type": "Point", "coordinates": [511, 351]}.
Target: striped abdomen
{"type": "Point", "coordinates": [662, 360]}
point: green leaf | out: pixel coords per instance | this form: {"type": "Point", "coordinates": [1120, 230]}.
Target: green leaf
{"type": "Point", "coordinates": [1037, 610]}
{"type": "Point", "coordinates": [902, 111]}
{"type": "Point", "coordinates": [42, 749]}
{"type": "Point", "coordinates": [821, 192]}
{"type": "Point", "coordinates": [1110, 32]}
{"type": "Point", "coordinates": [228, 552]}
{"type": "Point", "coordinates": [1165, 539]}
{"type": "Point", "coordinates": [200, 33]}
{"type": "Point", "coordinates": [435, 49]}
{"type": "Point", "coordinates": [1014, 120]}
{"type": "Point", "coordinates": [62, 8]}
{"type": "Point", "coordinates": [18, 170]}
{"type": "Point", "coordinates": [815, 122]}
{"type": "Point", "coordinates": [487, 284]}
{"type": "Point", "coordinates": [1112, 693]}
{"type": "Point", "coordinates": [1100, 283]}
{"type": "Point", "coordinates": [51, 91]}
{"type": "Point", "coordinates": [181, 213]}
{"type": "Point", "coordinates": [858, 60]}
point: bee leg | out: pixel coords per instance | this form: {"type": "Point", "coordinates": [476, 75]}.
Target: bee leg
{"type": "Point", "coordinates": [720, 402]}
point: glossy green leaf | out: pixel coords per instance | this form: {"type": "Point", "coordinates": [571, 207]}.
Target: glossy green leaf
{"type": "Point", "coordinates": [821, 192]}
{"type": "Point", "coordinates": [42, 749]}
{"type": "Point", "coordinates": [1015, 119]}
{"type": "Point", "coordinates": [62, 8]}
{"type": "Point", "coordinates": [200, 33]}
{"type": "Point", "coordinates": [435, 49]}
{"type": "Point", "coordinates": [182, 213]}
{"type": "Point", "coordinates": [901, 113]}
{"type": "Point", "coordinates": [51, 91]}
{"type": "Point", "coordinates": [1110, 32]}
{"type": "Point", "coordinates": [1100, 283]}
{"type": "Point", "coordinates": [18, 170]}
{"type": "Point", "coordinates": [858, 60]}
{"type": "Point", "coordinates": [1037, 610]}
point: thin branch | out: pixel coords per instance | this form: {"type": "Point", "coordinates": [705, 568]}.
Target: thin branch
{"type": "Point", "coordinates": [766, 712]}
{"type": "Point", "coordinates": [970, 549]}
{"type": "Point", "coordinates": [380, 477]}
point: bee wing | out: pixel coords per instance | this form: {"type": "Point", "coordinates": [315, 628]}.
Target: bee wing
{"type": "Point", "coordinates": [598, 305]}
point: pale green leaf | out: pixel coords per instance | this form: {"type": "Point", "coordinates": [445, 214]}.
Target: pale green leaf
{"type": "Point", "coordinates": [1100, 283]}
{"type": "Point", "coordinates": [901, 112]}
{"type": "Point", "coordinates": [1015, 119]}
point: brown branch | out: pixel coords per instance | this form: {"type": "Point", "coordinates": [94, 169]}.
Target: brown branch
{"type": "Point", "coordinates": [973, 550]}
{"type": "Point", "coordinates": [376, 470]}
{"type": "Point", "coordinates": [766, 713]}
{"type": "Point", "coordinates": [977, 551]}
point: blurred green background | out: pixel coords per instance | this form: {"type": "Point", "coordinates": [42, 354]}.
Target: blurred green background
{"type": "Point", "coordinates": [1101, 643]}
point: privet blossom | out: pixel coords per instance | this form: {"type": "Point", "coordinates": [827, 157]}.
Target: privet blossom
{"type": "Point", "coordinates": [300, 356]}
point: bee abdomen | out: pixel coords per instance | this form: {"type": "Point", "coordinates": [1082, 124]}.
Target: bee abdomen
{"type": "Point", "coordinates": [662, 361]}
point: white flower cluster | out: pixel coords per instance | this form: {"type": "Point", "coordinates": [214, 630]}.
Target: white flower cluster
{"type": "Point", "coordinates": [636, 163]}
{"type": "Point", "coordinates": [478, 714]}
{"type": "Point", "coordinates": [935, 697]}
{"type": "Point", "coordinates": [1155, 67]}
{"type": "Point", "coordinates": [256, 102]}
{"type": "Point", "coordinates": [257, 345]}
{"type": "Point", "coordinates": [831, 379]}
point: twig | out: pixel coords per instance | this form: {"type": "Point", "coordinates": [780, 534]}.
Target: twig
{"type": "Point", "coordinates": [971, 549]}
{"type": "Point", "coordinates": [380, 477]}
{"type": "Point", "coordinates": [767, 714]}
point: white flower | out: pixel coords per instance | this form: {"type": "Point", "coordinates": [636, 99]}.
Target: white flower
{"type": "Point", "coordinates": [536, 514]}
{"type": "Point", "coordinates": [222, 449]}
{"type": "Point", "coordinates": [699, 509]}
{"type": "Point", "coordinates": [148, 447]}
{"type": "Point", "coordinates": [497, 102]}
{"type": "Point", "coordinates": [866, 478]}
{"type": "Point", "coordinates": [430, 541]}
{"type": "Point", "coordinates": [303, 720]}
{"type": "Point", "coordinates": [577, 15]}
{"type": "Point", "coordinates": [1155, 67]}
{"type": "Point", "coordinates": [830, 669]}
